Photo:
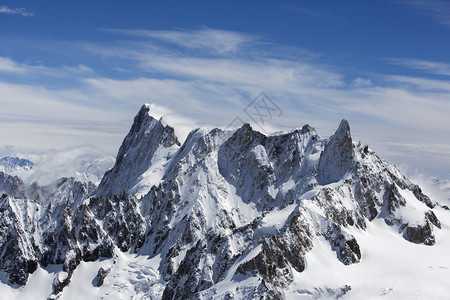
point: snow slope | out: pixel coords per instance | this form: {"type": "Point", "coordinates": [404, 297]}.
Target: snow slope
{"type": "Point", "coordinates": [390, 268]}
{"type": "Point", "coordinates": [228, 214]}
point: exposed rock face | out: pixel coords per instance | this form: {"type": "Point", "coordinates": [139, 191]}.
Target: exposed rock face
{"type": "Point", "coordinates": [40, 230]}
{"type": "Point", "coordinates": [11, 185]}
{"type": "Point", "coordinates": [337, 159]}
{"type": "Point", "coordinates": [101, 275]}
{"type": "Point", "coordinates": [146, 137]}
{"type": "Point", "coordinates": [225, 206]}
{"type": "Point", "coordinates": [347, 248]}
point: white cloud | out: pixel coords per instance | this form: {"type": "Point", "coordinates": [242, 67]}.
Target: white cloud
{"type": "Point", "coordinates": [214, 90]}
{"type": "Point", "coordinates": [439, 10]}
{"type": "Point", "coordinates": [436, 189]}
{"type": "Point", "coordinates": [399, 107]}
{"type": "Point", "coordinates": [439, 68]}
{"type": "Point", "coordinates": [84, 162]}
{"type": "Point", "coordinates": [80, 69]}
{"type": "Point", "coordinates": [423, 83]}
{"type": "Point", "coordinates": [34, 116]}
{"type": "Point", "coordinates": [266, 72]}
{"type": "Point", "coordinates": [8, 65]}
{"type": "Point", "coordinates": [205, 40]}
{"type": "Point", "coordinates": [362, 82]}
{"type": "Point", "coordinates": [15, 11]}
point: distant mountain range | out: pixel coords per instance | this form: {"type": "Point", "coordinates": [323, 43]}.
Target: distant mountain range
{"type": "Point", "coordinates": [84, 163]}
{"type": "Point", "coordinates": [226, 215]}
{"type": "Point", "coordinates": [14, 164]}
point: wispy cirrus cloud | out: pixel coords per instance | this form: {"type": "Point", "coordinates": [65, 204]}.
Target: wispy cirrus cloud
{"type": "Point", "coordinates": [432, 67]}
{"type": "Point", "coordinates": [439, 10]}
{"type": "Point", "coordinates": [422, 84]}
{"type": "Point", "coordinates": [15, 11]}
{"type": "Point", "coordinates": [214, 84]}
{"type": "Point", "coordinates": [206, 40]}
{"type": "Point", "coordinates": [13, 68]}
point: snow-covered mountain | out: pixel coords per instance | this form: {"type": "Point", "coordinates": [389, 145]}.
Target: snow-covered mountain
{"type": "Point", "coordinates": [15, 164]}
{"type": "Point", "coordinates": [227, 215]}
{"type": "Point", "coordinates": [85, 163]}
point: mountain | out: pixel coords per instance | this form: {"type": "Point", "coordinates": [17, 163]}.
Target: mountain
{"type": "Point", "coordinates": [15, 164]}
{"type": "Point", "coordinates": [226, 215]}
{"type": "Point", "coordinates": [143, 152]}
{"type": "Point", "coordinates": [83, 162]}
{"type": "Point", "coordinates": [11, 185]}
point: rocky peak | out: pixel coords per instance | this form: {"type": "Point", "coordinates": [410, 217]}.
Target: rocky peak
{"type": "Point", "coordinates": [338, 156]}
{"type": "Point", "coordinates": [308, 129]}
{"type": "Point", "coordinates": [146, 131]}
{"type": "Point", "coordinates": [245, 136]}
{"type": "Point", "coordinates": [146, 136]}
{"type": "Point", "coordinates": [225, 207]}
{"type": "Point", "coordinates": [11, 185]}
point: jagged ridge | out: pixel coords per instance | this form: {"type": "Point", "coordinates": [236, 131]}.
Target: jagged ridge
{"type": "Point", "coordinates": [224, 205]}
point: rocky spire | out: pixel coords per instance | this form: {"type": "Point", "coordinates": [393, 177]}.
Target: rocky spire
{"type": "Point", "coordinates": [146, 135]}
{"type": "Point", "coordinates": [338, 156]}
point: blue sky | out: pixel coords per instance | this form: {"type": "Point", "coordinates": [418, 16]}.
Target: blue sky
{"type": "Point", "coordinates": [76, 72]}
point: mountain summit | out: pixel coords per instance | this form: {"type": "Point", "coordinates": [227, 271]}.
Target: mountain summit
{"type": "Point", "coordinates": [148, 141]}
{"type": "Point", "coordinates": [227, 215]}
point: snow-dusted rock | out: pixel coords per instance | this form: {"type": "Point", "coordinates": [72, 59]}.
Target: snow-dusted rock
{"type": "Point", "coordinates": [15, 164]}
{"type": "Point", "coordinates": [11, 185]}
{"type": "Point", "coordinates": [39, 229]}
{"type": "Point", "coordinates": [337, 158]}
{"type": "Point", "coordinates": [226, 214]}
{"type": "Point", "coordinates": [148, 139]}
